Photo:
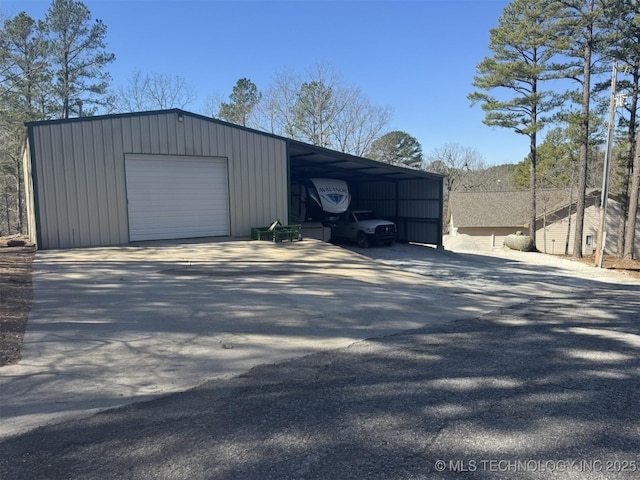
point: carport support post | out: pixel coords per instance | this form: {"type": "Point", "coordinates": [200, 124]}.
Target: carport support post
{"type": "Point", "coordinates": [602, 224]}
{"type": "Point", "coordinates": [441, 209]}
{"type": "Point", "coordinates": [398, 208]}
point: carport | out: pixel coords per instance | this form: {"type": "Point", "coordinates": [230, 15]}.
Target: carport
{"type": "Point", "coordinates": [411, 198]}
{"type": "Point", "coordinates": [170, 174]}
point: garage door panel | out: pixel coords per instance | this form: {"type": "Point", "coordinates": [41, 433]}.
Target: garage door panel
{"type": "Point", "coordinates": [176, 197]}
{"type": "Point", "coordinates": [187, 232]}
{"type": "Point", "coordinates": [177, 221]}
{"type": "Point", "coordinates": [185, 205]}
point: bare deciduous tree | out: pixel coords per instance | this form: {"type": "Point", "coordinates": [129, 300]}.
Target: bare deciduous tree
{"type": "Point", "coordinates": [319, 102]}
{"type": "Point", "coordinates": [455, 162]}
{"type": "Point", "coordinates": [360, 124]}
{"type": "Point", "coordinates": [275, 111]}
{"type": "Point", "coordinates": [321, 110]}
{"type": "Point", "coordinates": [154, 91]}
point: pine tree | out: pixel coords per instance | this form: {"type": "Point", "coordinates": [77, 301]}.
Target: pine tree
{"type": "Point", "coordinates": [24, 96]}
{"type": "Point", "coordinates": [523, 45]}
{"type": "Point", "coordinates": [621, 22]}
{"type": "Point", "coordinates": [397, 148]}
{"type": "Point", "coordinates": [244, 98]}
{"type": "Point", "coordinates": [581, 43]}
{"type": "Point", "coordinates": [79, 57]}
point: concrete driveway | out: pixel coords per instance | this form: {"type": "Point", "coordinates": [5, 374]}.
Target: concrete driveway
{"type": "Point", "coordinates": [544, 385]}
{"type": "Point", "coordinates": [111, 326]}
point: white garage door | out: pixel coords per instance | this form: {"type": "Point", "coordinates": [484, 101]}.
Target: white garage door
{"type": "Point", "coordinates": [176, 197]}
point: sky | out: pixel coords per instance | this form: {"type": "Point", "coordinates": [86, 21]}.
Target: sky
{"type": "Point", "coordinates": [418, 57]}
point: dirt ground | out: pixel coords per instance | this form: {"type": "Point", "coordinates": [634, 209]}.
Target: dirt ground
{"type": "Point", "coordinates": [631, 267]}
{"type": "Point", "coordinates": [16, 258]}
{"type": "Point", "coordinates": [16, 294]}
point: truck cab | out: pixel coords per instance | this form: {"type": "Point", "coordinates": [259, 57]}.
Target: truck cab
{"type": "Point", "coordinates": [365, 228]}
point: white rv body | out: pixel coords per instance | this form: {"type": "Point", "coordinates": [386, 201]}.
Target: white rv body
{"type": "Point", "coordinates": [334, 196]}
{"type": "Point", "coordinates": [319, 199]}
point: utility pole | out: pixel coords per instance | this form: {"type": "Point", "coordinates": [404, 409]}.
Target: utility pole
{"type": "Point", "coordinates": [602, 235]}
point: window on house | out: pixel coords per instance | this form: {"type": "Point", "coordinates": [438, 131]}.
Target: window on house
{"type": "Point", "coordinates": [589, 240]}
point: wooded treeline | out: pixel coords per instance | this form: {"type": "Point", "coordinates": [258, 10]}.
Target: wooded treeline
{"type": "Point", "coordinates": [548, 77]}
{"type": "Point", "coordinates": [551, 67]}
{"type": "Point", "coordinates": [50, 68]}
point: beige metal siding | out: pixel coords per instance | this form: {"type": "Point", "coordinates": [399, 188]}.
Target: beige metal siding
{"type": "Point", "coordinates": [81, 188]}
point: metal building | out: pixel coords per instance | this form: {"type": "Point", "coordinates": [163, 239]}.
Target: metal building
{"type": "Point", "coordinates": [170, 174]}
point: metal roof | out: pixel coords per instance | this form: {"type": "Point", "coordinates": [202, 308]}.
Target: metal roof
{"type": "Point", "coordinates": [306, 160]}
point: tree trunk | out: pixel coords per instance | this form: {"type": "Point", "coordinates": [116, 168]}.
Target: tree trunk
{"type": "Point", "coordinates": [7, 202]}
{"type": "Point", "coordinates": [532, 189]}
{"type": "Point", "coordinates": [624, 209]}
{"type": "Point", "coordinates": [584, 131]}
{"type": "Point", "coordinates": [633, 204]}
{"type": "Point", "coordinates": [628, 171]}
{"type": "Point", "coordinates": [582, 189]}
{"type": "Point", "coordinates": [566, 244]}
{"type": "Point", "coordinates": [532, 170]}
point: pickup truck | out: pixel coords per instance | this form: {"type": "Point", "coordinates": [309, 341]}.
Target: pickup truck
{"type": "Point", "coordinates": [364, 228]}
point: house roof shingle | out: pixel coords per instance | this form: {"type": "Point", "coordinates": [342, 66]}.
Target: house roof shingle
{"type": "Point", "coordinates": [503, 209]}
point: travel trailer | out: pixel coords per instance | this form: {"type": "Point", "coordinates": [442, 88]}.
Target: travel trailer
{"type": "Point", "coordinates": [319, 200]}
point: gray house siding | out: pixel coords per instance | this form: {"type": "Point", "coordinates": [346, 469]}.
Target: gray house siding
{"type": "Point", "coordinates": [79, 194]}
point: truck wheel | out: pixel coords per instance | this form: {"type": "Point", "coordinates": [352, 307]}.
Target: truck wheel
{"type": "Point", "coordinates": [362, 240]}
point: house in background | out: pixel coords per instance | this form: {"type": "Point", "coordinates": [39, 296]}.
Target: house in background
{"type": "Point", "coordinates": [489, 217]}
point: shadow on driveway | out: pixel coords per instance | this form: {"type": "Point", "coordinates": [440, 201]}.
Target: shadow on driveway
{"type": "Point", "coordinates": [546, 389]}
{"type": "Point", "coordinates": [111, 326]}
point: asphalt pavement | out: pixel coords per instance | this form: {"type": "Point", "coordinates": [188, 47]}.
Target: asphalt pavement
{"type": "Point", "coordinates": [539, 380]}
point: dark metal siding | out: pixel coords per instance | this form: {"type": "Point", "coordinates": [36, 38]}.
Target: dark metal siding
{"type": "Point", "coordinates": [414, 205]}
